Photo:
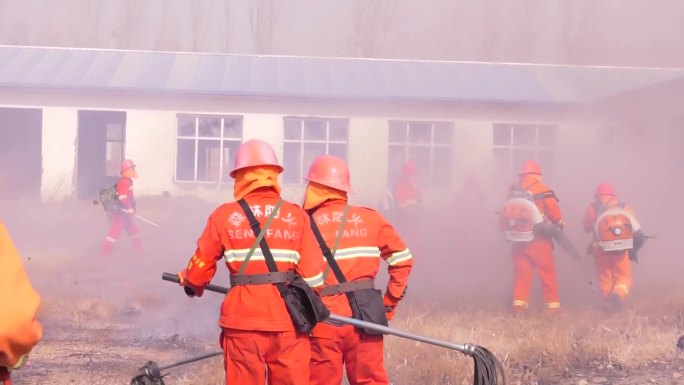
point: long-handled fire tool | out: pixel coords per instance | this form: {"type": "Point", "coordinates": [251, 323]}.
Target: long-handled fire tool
{"type": "Point", "coordinates": [147, 221]}
{"type": "Point", "coordinates": [488, 369]}
{"type": "Point", "coordinates": [108, 210]}
{"type": "Point", "coordinates": [151, 373]}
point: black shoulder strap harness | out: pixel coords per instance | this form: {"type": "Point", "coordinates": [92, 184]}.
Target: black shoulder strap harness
{"type": "Point", "coordinates": [344, 285]}
{"type": "Point", "coordinates": [256, 228]}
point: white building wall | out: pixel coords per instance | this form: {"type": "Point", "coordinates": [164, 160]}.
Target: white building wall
{"type": "Point", "coordinates": [60, 128]}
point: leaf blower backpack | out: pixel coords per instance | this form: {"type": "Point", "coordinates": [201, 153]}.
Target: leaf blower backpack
{"type": "Point", "coordinates": [109, 199]}
{"type": "Point", "coordinates": [614, 228]}
{"type": "Point", "coordinates": [519, 217]}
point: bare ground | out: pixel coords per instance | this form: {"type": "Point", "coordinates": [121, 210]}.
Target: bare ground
{"type": "Point", "coordinates": [106, 317]}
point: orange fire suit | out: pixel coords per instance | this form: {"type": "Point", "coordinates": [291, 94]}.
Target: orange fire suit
{"type": "Point", "coordinates": [257, 329]}
{"type": "Point", "coordinates": [122, 218]}
{"type": "Point", "coordinates": [613, 268]}
{"type": "Point", "coordinates": [536, 254]}
{"type": "Point", "coordinates": [19, 329]}
{"type": "Point", "coordinates": [366, 238]}
{"type": "Point", "coordinates": [407, 197]}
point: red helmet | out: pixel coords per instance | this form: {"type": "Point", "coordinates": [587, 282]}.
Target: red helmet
{"type": "Point", "coordinates": [409, 168]}
{"type": "Point", "coordinates": [330, 171]}
{"type": "Point", "coordinates": [255, 152]}
{"type": "Point", "coordinates": [127, 164]}
{"type": "Point", "coordinates": [605, 189]}
{"type": "Point", "coordinates": [530, 167]}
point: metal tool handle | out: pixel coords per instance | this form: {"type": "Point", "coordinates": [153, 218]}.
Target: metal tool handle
{"type": "Point", "coordinates": [174, 278]}
{"type": "Point", "coordinates": [488, 369]}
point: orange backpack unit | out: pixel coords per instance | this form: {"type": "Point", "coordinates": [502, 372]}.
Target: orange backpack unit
{"type": "Point", "coordinates": [519, 217]}
{"type": "Point", "coordinates": [614, 228]}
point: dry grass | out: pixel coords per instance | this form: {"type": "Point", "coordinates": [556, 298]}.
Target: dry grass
{"type": "Point", "coordinates": [533, 349]}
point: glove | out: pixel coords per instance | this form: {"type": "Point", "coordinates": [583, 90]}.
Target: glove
{"type": "Point", "coordinates": [633, 256]}
{"type": "Point", "coordinates": [190, 290]}
{"type": "Point", "coordinates": [390, 303]}
{"type": "Point", "coordinates": [4, 374]}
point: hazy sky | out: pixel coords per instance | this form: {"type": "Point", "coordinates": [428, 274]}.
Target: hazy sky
{"type": "Point", "coordinates": [608, 32]}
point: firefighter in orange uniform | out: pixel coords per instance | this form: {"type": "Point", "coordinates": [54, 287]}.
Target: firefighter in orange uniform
{"type": "Point", "coordinates": [122, 216]}
{"type": "Point", "coordinates": [536, 254]}
{"type": "Point", "coordinates": [617, 233]}
{"type": "Point", "coordinates": [358, 238]}
{"type": "Point", "coordinates": [19, 329]}
{"type": "Point", "coordinates": [258, 337]}
{"type": "Point", "coordinates": [406, 195]}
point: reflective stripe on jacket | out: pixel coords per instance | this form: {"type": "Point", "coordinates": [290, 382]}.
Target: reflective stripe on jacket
{"type": "Point", "coordinates": [227, 235]}
{"type": "Point", "coordinates": [366, 239]}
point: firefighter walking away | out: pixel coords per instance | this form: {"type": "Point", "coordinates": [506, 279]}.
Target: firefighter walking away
{"type": "Point", "coordinates": [617, 237]}
{"type": "Point", "coordinates": [353, 241]}
{"type": "Point", "coordinates": [258, 336]}
{"type": "Point", "coordinates": [528, 220]}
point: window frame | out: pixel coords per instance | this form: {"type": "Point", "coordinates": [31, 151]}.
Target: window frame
{"type": "Point", "coordinates": [536, 148]}
{"type": "Point", "coordinates": [222, 139]}
{"type": "Point", "coordinates": [302, 141]}
{"type": "Point", "coordinates": [407, 144]}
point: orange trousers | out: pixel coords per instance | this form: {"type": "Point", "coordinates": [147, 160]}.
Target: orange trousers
{"type": "Point", "coordinates": [248, 354]}
{"type": "Point", "coordinates": [528, 257]}
{"type": "Point", "coordinates": [614, 271]}
{"type": "Point", "coordinates": [333, 348]}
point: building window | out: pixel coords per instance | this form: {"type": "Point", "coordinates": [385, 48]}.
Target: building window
{"type": "Point", "coordinates": [428, 144]}
{"type": "Point", "coordinates": [515, 143]}
{"type": "Point", "coordinates": [205, 146]}
{"type": "Point", "coordinates": [114, 143]}
{"type": "Point", "coordinates": [307, 138]}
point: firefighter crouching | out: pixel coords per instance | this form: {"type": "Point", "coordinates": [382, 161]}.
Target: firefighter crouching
{"type": "Point", "coordinates": [19, 329]}
{"type": "Point", "coordinates": [617, 237]}
{"type": "Point", "coordinates": [354, 239]}
{"type": "Point", "coordinates": [258, 336]}
{"type": "Point", "coordinates": [122, 213]}
{"type": "Point", "coordinates": [532, 206]}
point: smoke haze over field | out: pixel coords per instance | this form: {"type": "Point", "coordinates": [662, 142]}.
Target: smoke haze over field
{"type": "Point", "coordinates": [633, 140]}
